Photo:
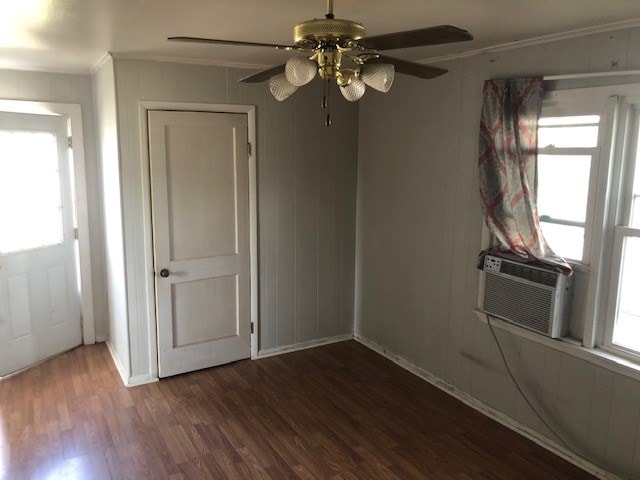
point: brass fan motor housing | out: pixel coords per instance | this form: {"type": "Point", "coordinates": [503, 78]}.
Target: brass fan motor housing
{"type": "Point", "coordinates": [330, 30]}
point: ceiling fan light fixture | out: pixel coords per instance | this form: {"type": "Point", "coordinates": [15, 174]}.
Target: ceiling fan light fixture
{"type": "Point", "coordinates": [324, 43]}
{"type": "Point", "coordinates": [354, 90]}
{"type": "Point", "coordinates": [281, 88]}
{"type": "Point", "coordinates": [378, 76]}
{"type": "Point", "coordinates": [300, 71]}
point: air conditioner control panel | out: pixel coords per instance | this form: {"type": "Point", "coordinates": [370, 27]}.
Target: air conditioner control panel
{"type": "Point", "coordinates": [492, 264]}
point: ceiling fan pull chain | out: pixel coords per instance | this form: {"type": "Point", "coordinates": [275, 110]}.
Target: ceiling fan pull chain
{"type": "Point", "coordinates": [327, 89]}
{"type": "Point", "coordinates": [325, 100]}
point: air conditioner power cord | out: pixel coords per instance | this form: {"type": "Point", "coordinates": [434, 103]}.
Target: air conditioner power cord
{"type": "Point", "coordinates": [526, 399]}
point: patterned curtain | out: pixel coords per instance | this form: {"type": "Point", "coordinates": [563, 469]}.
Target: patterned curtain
{"type": "Point", "coordinates": [507, 165]}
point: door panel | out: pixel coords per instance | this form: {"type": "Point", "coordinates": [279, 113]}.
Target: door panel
{"type": "Point", "coordinates": [39, 299]}
{"type": "Point", "coordinates": [192, 304]}
{"type": "Point", "coordinates": [206, 189]}
{"type": "Point", "coordinates": [19, 309]}
{"type": "Point", "coordinates": [200, 198]}
{"type": "Point", "coordinates": [57, 287]}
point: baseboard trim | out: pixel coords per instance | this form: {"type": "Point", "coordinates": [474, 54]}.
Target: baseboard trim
{"type": "Point", "coordinates": [124, 375]}
{"type": "Point", "coordinates": [141, 380]}
{"type": "Point", "coordinates": [270, 352]}
{"type": "Point", "coordinates": [490, 412]}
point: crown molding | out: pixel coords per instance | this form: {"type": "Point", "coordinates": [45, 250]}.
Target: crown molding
{"type": "Point", "coordinates": [554, 37]}
{"type": "Point", "coordinates": [191, 61]}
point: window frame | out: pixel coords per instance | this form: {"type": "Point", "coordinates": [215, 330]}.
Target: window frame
{"type": "Point", "coordinates": [609, 180]}
{"type": "Point", "coordinates": [601, 101]}
{"type": "Point", "coordinates": [558, 103]}
{"type": "Point", "coordinates": [629, 136]}
{"type": "Point", "coordinates": [610, 186]}
{"type": "Point", "coordinates": [594, 154]}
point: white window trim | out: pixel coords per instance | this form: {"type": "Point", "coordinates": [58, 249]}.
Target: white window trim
{"type": "Point", "coordinates": [600, 185]}
{"type": "Point", "coordinates": [626, 126]}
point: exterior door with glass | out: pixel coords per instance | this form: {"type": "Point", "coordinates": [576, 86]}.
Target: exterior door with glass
{"type": "Point", "coordinates": [40, 313]}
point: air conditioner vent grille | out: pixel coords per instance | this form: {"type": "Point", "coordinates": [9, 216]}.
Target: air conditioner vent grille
{"type": "Point", "coordinates": [505, 298]}
{"type": "Point", "coordinates": [527, 273]}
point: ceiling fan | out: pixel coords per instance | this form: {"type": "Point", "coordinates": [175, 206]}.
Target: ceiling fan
{"type": "Point", "coordinates": [329, 43]}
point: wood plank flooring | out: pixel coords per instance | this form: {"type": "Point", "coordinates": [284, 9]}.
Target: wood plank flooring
{"type": "Point", "coordinates": [337, 412]}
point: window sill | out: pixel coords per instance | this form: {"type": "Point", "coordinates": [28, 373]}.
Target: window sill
{"type": "Point", "coordinates": [570, 346]}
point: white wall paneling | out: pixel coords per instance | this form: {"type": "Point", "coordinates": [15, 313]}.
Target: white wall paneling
{"type": "Point", "coordinates": [419, 232]}
{"type": "Point", "coordinates": [71, 95]}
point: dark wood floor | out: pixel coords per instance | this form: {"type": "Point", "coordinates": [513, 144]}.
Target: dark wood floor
{"type": "Point", "coordinates": [339, 412]}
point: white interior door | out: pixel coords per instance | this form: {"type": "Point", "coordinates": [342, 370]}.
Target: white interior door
{"type": "Point", "coordinates": [39, 294]}
{"type": "Point", "coordinates": [200, 202]}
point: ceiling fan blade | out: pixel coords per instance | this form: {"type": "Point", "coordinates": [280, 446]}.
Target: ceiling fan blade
{"type": "Point", "coordinates": [416, 38]}
{"type": "Point", "coordinates": [410, 68]}
{"type": "Point", "coordinates": [263, 75]}
{"type": "Point", "coordinates": [229, 42]}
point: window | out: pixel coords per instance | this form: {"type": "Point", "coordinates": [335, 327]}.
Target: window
{"type": "Point", "coordinates": [568, 147]}
{"type": "Point", "coordinates": [624, 304]}
{"type": "Point", "coordinates": [588, 195]}
{"type": "Point", "coordinates": [30, 204]}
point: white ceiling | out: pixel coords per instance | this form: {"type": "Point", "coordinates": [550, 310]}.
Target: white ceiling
{"type": "Point", "coordinates": [74, 35]}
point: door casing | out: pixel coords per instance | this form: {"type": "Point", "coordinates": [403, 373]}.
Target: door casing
{"type": "Point", "coordinates": [149, 279]}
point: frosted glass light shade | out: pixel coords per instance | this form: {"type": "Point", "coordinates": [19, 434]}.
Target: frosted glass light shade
{"type": "Point", "coordinates": [354, 90]}
{"type": "Point", "coordinates": [280, 87]}
{"type": "Point", "coordinates": [300, 71]}
{"type": "Point", "coordinates": [378, 76]}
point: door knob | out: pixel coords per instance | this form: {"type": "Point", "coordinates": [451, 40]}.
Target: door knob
{"type": "Point", "coordinates": [164, 273]}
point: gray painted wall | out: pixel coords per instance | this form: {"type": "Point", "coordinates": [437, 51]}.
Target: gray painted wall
{"type": "Point", "coordinates": [419, 231]}
{"type": "Point", "coordinates": [306, 200]}
{"type": "Point", "coordinates": [64, 88]}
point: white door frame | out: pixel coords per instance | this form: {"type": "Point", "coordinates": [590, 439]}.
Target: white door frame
{"type": "Point", "coordinates": [74, 113]}
{"type": "Point", "coordinates": [149, 279]}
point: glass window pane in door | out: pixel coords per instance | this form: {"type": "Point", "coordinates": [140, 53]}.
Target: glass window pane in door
{"type": "Point", "coordinates": [30, 200]}
{"type": "Point", "coordinates": [626, 331]}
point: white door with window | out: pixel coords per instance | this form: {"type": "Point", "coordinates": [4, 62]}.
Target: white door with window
{"type": "Point", "coordinates": [39, 294]}
{"type": "Point", "coordinates": [200, 202]}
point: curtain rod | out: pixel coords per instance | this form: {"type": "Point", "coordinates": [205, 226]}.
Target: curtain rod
{"type": "Point", "coordinates": [592, 75]}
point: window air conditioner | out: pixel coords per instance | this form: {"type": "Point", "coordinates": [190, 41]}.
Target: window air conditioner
{"type": "Point", "coordinates": [531, 297]}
